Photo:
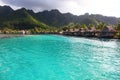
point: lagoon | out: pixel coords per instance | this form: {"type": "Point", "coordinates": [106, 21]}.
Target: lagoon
{"type": "Point", "coordinates": [53, 57]}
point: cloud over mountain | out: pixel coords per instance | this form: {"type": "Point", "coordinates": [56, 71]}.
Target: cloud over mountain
{"type": "Point", "coordinates": [105, 7]}
{"type": "Point", "coordinates": [40, 4]}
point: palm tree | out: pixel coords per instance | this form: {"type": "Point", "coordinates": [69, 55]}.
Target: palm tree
{"type": "Point", "coordinates": [101, 25]}
{"type": "Point", "coordinates": [77, 26]}
{"type": "Point", "coordinates": [118, 26]}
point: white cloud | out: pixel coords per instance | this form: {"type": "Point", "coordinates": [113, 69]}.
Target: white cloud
{"type": "Point", "coordinates": [78, 7]}
{"type": "Point", "coordinates": [105, 7]}
{"type": "Point", "coordinates": [1, 3]}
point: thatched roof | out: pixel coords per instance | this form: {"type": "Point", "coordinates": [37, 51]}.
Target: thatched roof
{"type": "Point", "coordinates": [108, 29]}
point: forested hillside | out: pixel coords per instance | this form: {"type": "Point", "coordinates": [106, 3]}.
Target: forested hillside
{"type": "Point", "coordinates": [27, 19]}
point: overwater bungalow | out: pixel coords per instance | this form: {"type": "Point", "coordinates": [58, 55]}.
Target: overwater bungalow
{"type": "Point", "coordinates": [97, 33]}
{"type": "Point", "coordinates": [76, 32]}
{"type": "Point", "coordinates": [83, 31]}
{"type": "Point", "coordinates": [91, 32]}
{"type": "Point", "coordinates": [68, 32]}
{"type": "Point", "coordinates": [108, 32]}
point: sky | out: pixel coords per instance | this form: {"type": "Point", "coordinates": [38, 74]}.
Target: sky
{"type": "Point", "coordinates": [76, 7]}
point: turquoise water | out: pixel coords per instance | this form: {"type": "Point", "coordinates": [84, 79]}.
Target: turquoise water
{"type": "Point", "coordinates": [52, 57]}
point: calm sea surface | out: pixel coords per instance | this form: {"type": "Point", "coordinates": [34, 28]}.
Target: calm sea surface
{"type": "Point", "coordinates": [53, 57]}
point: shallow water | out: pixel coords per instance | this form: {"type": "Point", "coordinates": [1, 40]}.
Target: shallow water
{"type": "Point", "coordinates": [53, 57]}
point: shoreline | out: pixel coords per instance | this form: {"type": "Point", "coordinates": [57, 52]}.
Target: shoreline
{"type": "Point", "coordinates": [10, 35]}
{"type": "Point", "coordinates": [20, 35]}
{"type": "Point", "coordinates": [92, 37]}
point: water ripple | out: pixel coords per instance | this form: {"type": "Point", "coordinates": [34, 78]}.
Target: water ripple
{"type": "Point", "coordinates": [51, 57]}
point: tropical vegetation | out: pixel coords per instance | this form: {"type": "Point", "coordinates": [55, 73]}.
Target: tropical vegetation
{"type": "Point", "coordinates": [12, 21]}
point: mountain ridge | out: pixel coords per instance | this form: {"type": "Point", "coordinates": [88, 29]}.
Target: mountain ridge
{"type": "Point", "coordinates": [20, 19]}
{"type": "Point", "coordinates": [55, 18]}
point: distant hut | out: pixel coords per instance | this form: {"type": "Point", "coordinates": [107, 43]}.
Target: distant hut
{"type": "Point", "coordinates": [97, 33]}
{"type": "Point", "coordinates": [27, 32]}
{"type": "Point", "coordinates": [91, 32]}
{"type": "Point", "coordinates": [61, 32]}
{"type": "Point", "coordinates": [21, 32]}
{"type": "Point", "coordinates": [71, 30]}
{"type": "Point", "coordinates": [83, 31]}
{"type": "Point", "coordinates": [7, 32]}
{"type": "Point", "coordinates": [108, 32]}
{"type": "Point", "coordinates": [76, 30]}
{"type": "Point", "coordinates": [94, 32]}
{"type": "Point", "coordinates": [92, 29]}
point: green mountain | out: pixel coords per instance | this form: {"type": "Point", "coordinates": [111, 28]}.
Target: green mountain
{"type": "Point", "coordinates": [21, 19]}
{"type": "Point", "coordinates": [27, 19]}
{"type": "Point", "coordinates": [55, 18]}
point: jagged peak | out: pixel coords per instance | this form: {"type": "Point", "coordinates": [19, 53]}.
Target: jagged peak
{"type": "Point", "coordinates": [55, 10]}
{"type": "Point", "coordinates": [6, 7]}
{"type": "Point", "coordinates": [21, 9]}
